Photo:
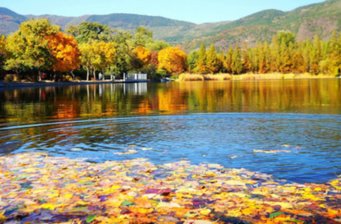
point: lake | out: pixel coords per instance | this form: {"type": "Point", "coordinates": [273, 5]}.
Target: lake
{"type": "Point", "coordinates": [288, 128]}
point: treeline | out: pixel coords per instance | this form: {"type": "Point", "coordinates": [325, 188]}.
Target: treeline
{"type": "Point", "coordinates": [40, 50]}
{"type": "Point", "coordinates": [283, 54]}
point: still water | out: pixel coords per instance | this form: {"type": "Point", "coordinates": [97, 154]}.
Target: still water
{"type": "Point", "coordinates": [288, 128]}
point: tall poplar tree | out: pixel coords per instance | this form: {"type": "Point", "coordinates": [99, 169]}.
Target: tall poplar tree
{"type": "Point", "coordinates": [202, 63]}
{"type": "Point", "coordinates": [213, 63]}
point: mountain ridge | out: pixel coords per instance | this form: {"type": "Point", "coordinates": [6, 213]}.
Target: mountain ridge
{"type": "Point", "coordinates": [305, 21]}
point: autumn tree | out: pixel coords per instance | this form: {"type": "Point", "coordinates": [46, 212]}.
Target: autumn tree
{"type": "Point", "coordinates": [298, 65]}
{"type": "Point", "coordinates": [213, 64]}
{"type": "Point", "coordinates": [143, 54]}
{"type": "Point", "coordinates": [227, 63]}
{"type": "Point", "coordinates": [236, 64]}
{"type": "Point", "coordinates": [3, 51]}
{"type": "Point", "coordinates": [332, 60]}
{"type": "Point", "coordinates": [246, 59]}
{"type": "Point", "coordinates": [64, 50]}
{"type": "Point", "coordinates": [201, 62]}
{"type": "Point", "coordinates": [28, 47]}
{"type": "Point", "coordinates": [154, 58]}
{"type": "Point", "coordinates": [97, 56]}
{"type": "Point", "coordinates": [172, 60]}
{"type": "Point", "coordinates": [106, 52]}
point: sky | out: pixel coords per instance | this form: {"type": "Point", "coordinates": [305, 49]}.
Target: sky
{"type": "Point", "coordinates": [197, 11]}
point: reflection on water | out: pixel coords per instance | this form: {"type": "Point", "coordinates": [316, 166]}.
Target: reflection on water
{"type": "Point", "coordinates": [76, 102]}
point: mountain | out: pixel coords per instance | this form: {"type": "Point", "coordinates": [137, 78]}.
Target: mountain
{"type": "Point", "coordinates": [9, 20]}
{"type": "Point", "coordinates": [316, 19]}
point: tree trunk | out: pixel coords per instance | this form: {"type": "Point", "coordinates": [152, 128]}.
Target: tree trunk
{"type": "Point", "coordinates": [73, 75]}
{"type": "Point", "coordinates": [87, 74]}
{"type": "Point", "coordinates": [94, 73]}
{"type": "Point", "coordinates": [39, 76]}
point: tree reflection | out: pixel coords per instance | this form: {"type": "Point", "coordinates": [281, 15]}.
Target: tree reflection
{"type": "Point", "coordinates": [36, 105]}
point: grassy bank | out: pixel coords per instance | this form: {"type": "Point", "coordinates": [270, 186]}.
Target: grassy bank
{"type": "Point", "coordinates": [249, 76]}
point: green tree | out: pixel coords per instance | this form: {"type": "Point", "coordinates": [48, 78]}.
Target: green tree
{"type": "Point", "coordinates": [124, 52]}
{"type": "Point", "coordinates": [90, 31]}
{"type": "Point", "coordinates": [157, 45]}
{"type": "Point", "coordinates": [142, 37]}
{"type": "Point", "coordinates": [284, 38]}
{"type": "Point", "coordinates": [192, 61]}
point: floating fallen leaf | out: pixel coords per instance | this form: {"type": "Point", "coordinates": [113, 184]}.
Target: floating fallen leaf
{"type": "Point", "coordinates": [90, 218]}
{"type": "Point", "coordinates": [2, 217]}
{"type": "Point", "coordinates": [205, 212]}
{"type": "Point", "coordinates": [36, 188]}
{"type": "Point", "coordinates": [275, 214]}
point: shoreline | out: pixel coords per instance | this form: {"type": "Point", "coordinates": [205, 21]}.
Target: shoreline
{"type": "Point", "coordinates": [187, 77]}
{"type": "Point", "coordinates": [13, 85]}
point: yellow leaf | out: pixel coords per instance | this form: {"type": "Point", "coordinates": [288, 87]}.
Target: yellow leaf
{"type": "Point", "coordinates": [248, 211]}
{"type": "Point", "coordinates": [2, 217]}
{"type": "Point", "coordinates": [333, 213]}
{"type": "Point", "coordinates": [142, 210]}
{"type": "Point", "coordinates": [205, 211]}
{"type": "Point", "coordinates": [210, 174]}
{"type": "Point", "coordinates": [112, 189]}
{"type": "Point", "coordinates": [336, 184]}
{"type": "Point", "coordinates": [68, 195]}
{"type": "Point", "coordinates": [48, 206]}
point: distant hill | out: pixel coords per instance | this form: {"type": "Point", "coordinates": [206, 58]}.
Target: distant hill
{"type": "Point", "coordinates": [9, 20]}
{"type": "Point", "coordinates": [316, 19]}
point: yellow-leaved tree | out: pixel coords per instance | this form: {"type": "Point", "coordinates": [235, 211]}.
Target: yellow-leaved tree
{"type": "Point", "coordinates": [143, 54]}
{"type": "Point", "coordinates": [172, 60]}
{"type": "Point", "coordinates": [97, 56]}
{"type": "Point", "coordinates": [65, 52]}
{"type": "Point", "coordinates": [2, 51]}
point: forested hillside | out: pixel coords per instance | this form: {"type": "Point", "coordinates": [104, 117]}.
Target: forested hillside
{"type": "Point", "coordinates": [305, 22]}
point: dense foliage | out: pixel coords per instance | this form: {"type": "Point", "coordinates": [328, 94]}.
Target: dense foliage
{"type": "Point", "coordinates": [284, 55]}
{"type": "Point", "coordinates": [39, 50]}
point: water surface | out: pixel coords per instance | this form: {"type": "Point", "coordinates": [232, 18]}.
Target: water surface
{"type": "Point", "coordinates": [288, 128]}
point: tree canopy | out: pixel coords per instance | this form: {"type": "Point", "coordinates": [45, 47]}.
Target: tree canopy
{"type": "Point", "coordinates": [39, 46]}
